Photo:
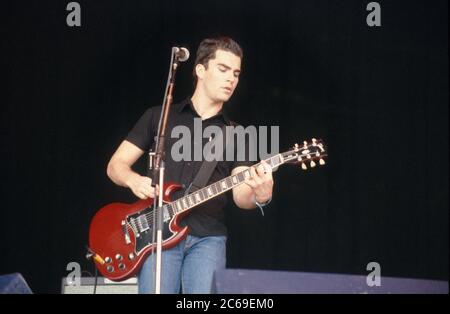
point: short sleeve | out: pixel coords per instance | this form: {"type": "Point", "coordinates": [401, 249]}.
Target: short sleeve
{"type": "Point", "coordinates": [143, 133]}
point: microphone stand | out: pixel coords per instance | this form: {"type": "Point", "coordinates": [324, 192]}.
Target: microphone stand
{"type": "Point", "coordinates": [156, 166]}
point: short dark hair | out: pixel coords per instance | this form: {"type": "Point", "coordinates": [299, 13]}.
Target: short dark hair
{"type": "Point", "coordinates": [208, 47]}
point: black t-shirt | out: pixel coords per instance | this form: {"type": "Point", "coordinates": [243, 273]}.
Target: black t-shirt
{"type": "Point", "coordinates": [207, 219]}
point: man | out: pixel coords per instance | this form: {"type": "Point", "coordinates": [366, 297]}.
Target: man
{"type": "Point", "coordinates": [192, 263]}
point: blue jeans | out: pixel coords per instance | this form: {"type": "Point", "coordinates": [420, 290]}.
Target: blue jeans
{"type": "Point", "coordinates": [190, 264]}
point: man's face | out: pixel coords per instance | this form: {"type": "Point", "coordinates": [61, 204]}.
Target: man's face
{"type": "Point", "coordinates": [221, 77]}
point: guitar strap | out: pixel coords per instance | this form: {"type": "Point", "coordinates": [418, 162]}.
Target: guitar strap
{"type": "Point", "coordinates": [207, 167]}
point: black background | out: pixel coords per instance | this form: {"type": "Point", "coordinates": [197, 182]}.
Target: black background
{"type": "Point", "coordinates": [378, 96]}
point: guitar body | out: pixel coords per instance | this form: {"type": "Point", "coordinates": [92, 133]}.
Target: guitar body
{"type": "Point", "coordinates": [120, 241]}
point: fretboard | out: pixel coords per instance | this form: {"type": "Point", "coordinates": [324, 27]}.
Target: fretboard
{"type": "Point", "coordinates": [208, 192]}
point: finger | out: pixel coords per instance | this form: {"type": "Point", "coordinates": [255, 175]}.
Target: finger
{"type": "Point", "coordinates": [268, 177]}
{"type": "Point", "coordinates": [266, 185]}
{"type": "Point", "coordinates": [147, 190]}
{"type": "Point", "coordinates": [146, 193]}
{"type": "Point", "coordinates": [255, 176]}
{"type": "Point", "coordinates": [261, 170]}
{"type": "Point", "coordinates": [267, 167]}
{"type": "Point", "coordinates": [265, 171]}
{"type": "Point", "coordinates": [141, 195]}
{"type": "Point", "coordinates": [251, 183]}
{"type": "Point", "coordinates": [146, 181]}
{"type": "Point", "coordinates": [152, 191]}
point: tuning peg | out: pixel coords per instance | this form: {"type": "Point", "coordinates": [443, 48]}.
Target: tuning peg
{"type": "Point", "coordinates": [321, 161]}
{"type": "Point", "coordinates": [305, 144]}
{"type": "Point", "coordinates": [312, 164]}
{"type": "Point", "coordinates": [296, 146]}
{"type": "Point", "coordinates": [314, 141]}
{"type": "Point", "coordinates": [304, 166]}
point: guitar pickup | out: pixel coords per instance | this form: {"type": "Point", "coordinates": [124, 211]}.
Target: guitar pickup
{"type": "Point", "coordinates": [125, 232]}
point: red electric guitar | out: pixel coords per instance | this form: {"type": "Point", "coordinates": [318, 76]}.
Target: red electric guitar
{"type": "Point", "coordinates": [120, 235]}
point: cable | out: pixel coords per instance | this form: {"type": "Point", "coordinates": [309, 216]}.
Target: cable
{"type": "Point", "coordinates": [89, 256]}
{"type": "Point", "coordinates": [95, 280]}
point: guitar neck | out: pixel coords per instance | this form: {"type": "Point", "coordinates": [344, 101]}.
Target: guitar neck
{"type": "Point", "coordinates": [208, 192]}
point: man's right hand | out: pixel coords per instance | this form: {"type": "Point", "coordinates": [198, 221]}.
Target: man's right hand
{"type": "Point", "coordinates": [142, 187]}
{"type": "Point", "coordinates": [120, 172]}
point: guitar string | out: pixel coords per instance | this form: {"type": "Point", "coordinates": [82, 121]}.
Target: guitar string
{"type": "Point", "coordinates": [149, 216]}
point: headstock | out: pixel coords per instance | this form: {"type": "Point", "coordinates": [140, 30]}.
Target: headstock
{"type": "Point", "coordinates": [306, 154]}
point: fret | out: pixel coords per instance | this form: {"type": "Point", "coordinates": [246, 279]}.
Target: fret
{"type": "Point", "coordinates": [211, 190]}
{"type": "Point", "coordinates": [203, 194]}
{"type": "Point", "coordinates": [218, 187]}
{"type": "Point", "coordinates": [223, 184]}
{"type": "Point", "coordinates": [170, 209]}
{"type": "Point", "coordinates": [275, 161]}
{"type": "Point", "coordinates": [228, 181]}
{"type": "Point", "coordinates": [174, 209]}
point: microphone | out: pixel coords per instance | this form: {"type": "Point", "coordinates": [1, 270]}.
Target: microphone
{"type": "Point", "coordinates": [182, 54]}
